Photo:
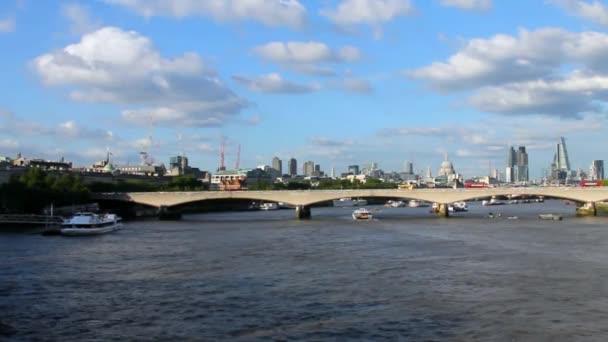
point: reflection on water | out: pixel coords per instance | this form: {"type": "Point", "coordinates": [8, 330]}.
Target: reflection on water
{"type": "Point", "coordinates": [258, 275]}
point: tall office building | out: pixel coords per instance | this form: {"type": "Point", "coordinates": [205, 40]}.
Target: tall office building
{"type": "Point", "coordinates": [308, 168]}
{"type": "Point", "coordinates": [292, 165]}
{"type": "Point", "coordinates": [277, 164]}
{"type": "Point", "coordinates": [521, 168]}
{"type": "Point", "coordinates": [516, 169]}
{"type": "Point", "coordinates": [408, 167]}
{"type": "Point", "coordinates": [354, 169]}
{"type": "Point", "coordinates": [510, 165]}
{"type": "Point", "coordinates": [596, 171]}
{"type": "Point", "coordinates": [561, 160]}
{"type": "Point", "coordinates": [560, 168]}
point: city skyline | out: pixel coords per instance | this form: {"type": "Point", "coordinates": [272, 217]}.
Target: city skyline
{"type": "Point", "coordinates": [334, 83]}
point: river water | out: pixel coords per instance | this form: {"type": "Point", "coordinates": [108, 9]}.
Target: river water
{"type": "Point", "coordinates": [406, 275]}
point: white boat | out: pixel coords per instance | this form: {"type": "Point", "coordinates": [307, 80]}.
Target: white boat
{"type": "Point", "coordinates": [398, 204]}
{"type": "Point", "coordinates": [416, 204]}
{"type": "Point", "coordinates": [87, 223]}
{"type": "Point", "coordinates": [492, 201]}
{"type": "Point", "coordinates": [349, 202]}
{"type": "Point", "coordinates": [458, 206]}
{"type": "Point", "coordinates": [362, 214]}
{"type": "Point", "coordinates": [550, 217]}
{"type": "Point", "coordinates": [269, 206]}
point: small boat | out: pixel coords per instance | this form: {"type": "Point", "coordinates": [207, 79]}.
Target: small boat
{"type": "Point", "coordinates": [550, 217]}
{"type": "Point", "coordinates": [362, 214]}
{"type": "Point", "coordinates": [492, 201]}
{"type": "Point", "coordinates": [88, 223]}
{"type": "Point", "coordinates": [349, 202]}
{"type": "Point", "coordinates": [512, 218]}
{"type": "Point", "coordinates": [417, 204]}
{"type": "Point", "coordinates": [269, 206]}
{"type": "Point", "coordinates": [458, 206]}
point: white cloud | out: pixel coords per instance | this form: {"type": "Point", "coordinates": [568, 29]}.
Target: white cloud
{"type": "Point", "coordinates": [274, 83]}
{"type": "Point", "coordinates": [80, 19]}
{"type": "Point", "coordinates": [354, 85]}
{"type": "Point", "coordinates": [370, 12]}
{"type": "Point", "coordinates": [469, 5]}
{"type": "Point", "coordinates": [111, 65]}
{"type": "Point", "coordinates": [8, 144]}
{"type": "Point", "coordinates": [525, 75]}
{"type": "Point", "coordinates": [594, 11]}
{"type": "Point", "coordinates": [503, 58]}
{"type": "Point", "coordinates": [289, 13]}
{"type": "Point", "coordinates": [566, 97]}
{"type": "Point", "coordinates": [8, 25]}
{"type": "Point", "coordinates": [306, 57]}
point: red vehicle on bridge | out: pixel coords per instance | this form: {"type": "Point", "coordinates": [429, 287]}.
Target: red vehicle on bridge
{"type": "Point", "coordinates": [591, 183]}
{"type": "Point", "coordinates": [475, 185]}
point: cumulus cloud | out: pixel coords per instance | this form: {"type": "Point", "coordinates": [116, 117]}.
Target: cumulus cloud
{"type": "Point", "coordinates": [469, 5]}
{"type": "Point", "coordinates": [80, 19]}
{"type": "Point", "coordinates": [354, 85]}
{"type": "Point", "coordinates": [307, 57]}
{"type": "Point", "coordinates": [274, 83]}
{"type": "Point", "coordinates": [524, 74]}
{"type": "Point", "coordinates": [8, 25]}
{"type": "Point", "coordinates": [593, 11]}
{"type": "Point", "coordinates": [111, 65]}
{"type": "Point", "coordinates": [370, 12]}
{"type": "Point", "coordinates": [289, 13]}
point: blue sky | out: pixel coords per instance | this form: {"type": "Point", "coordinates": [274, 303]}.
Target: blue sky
{"type": "Point", "coordinates": [337, 82]}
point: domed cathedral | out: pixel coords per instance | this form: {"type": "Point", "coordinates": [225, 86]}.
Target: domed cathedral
{"type": "Point", "coordinates": [447, 175]}
{"type": "Point", "coordinates": [447, 168]}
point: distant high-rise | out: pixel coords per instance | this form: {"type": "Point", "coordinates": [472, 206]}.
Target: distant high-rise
{"type": "Point", "coordinates": [561, 160]}
{"type": "Point", "coordinates": [333, 173]}
{"type": "Point", "coordinates": [560, 168]}
{"type": "Point", "coordinates": [277, 164]}
{"type": "Point", "coordinates": [516, 169]}
{"type": "Point", "coordinates": [308, 168]}
{"type": "Point", "coordinates": [510, 165]}
{"type": "Point", "coordinates": [354, 169]}
{"type": "Point", "coordinates": [292, 165]}
{"type": "Point", "coordinates": [596, 171]}
{"type": "Point", "coordinates": [408, 167]}
{"type": "Point", "coordinates": [521, 169]}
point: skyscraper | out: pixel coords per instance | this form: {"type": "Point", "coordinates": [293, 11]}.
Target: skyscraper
{"type": "Point", "coordinates": [560, 168]}
{"type": "Point", "coordinates": [510, 165]}
{"type": "Point", "coordinates": [408, 167]}
{"type": "Point", "coordinates": [292, 165]}
{"type": "Point", "coordinates": [277, 164]}
{"type": "Point", "coordinates": [596, 171]}
{"type": "Point", "coordinates": [561, 160]}
{"type": "Point", "coordinates": [308, 168]}
{"type": "Point", "coordinates": [354, 169]}
{"type": "Point", "coordinates": [521, 169]}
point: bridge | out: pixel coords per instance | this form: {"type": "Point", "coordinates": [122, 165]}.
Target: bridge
{"type": "Point", "coordinates": [303, 199]}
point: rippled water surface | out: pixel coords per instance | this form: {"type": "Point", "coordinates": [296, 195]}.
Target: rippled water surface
{"type": "Point", "coordinates": [406, 275]}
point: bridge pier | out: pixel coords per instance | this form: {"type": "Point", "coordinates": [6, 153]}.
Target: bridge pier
{"type": "Point", "coordinates": [302, 212]}
{"type": "Point", "coordinates": [166, 214]}
{"type": "Point", "coordinates": [443, 210]}
{"type": "Point", "coordinates": [587, 209]}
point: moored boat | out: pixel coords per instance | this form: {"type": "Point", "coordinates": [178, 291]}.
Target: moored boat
{"type": "Point", "coordinates": [550, 217]}
{"type": "Point", "coordinates": [88, 223]}
{"type": "Point", "coordinates": [458, 206]}
{"type": "Point", "coordinates": [269, 206]}
{"type": "Point", "coordinates": [417, 204]}
{"type": "Point", "coordinates": [349, 202]}
{"type": "Point", "coordinates": [362, 214]}
{"type": "Point", "coordinates": [492, 201]}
